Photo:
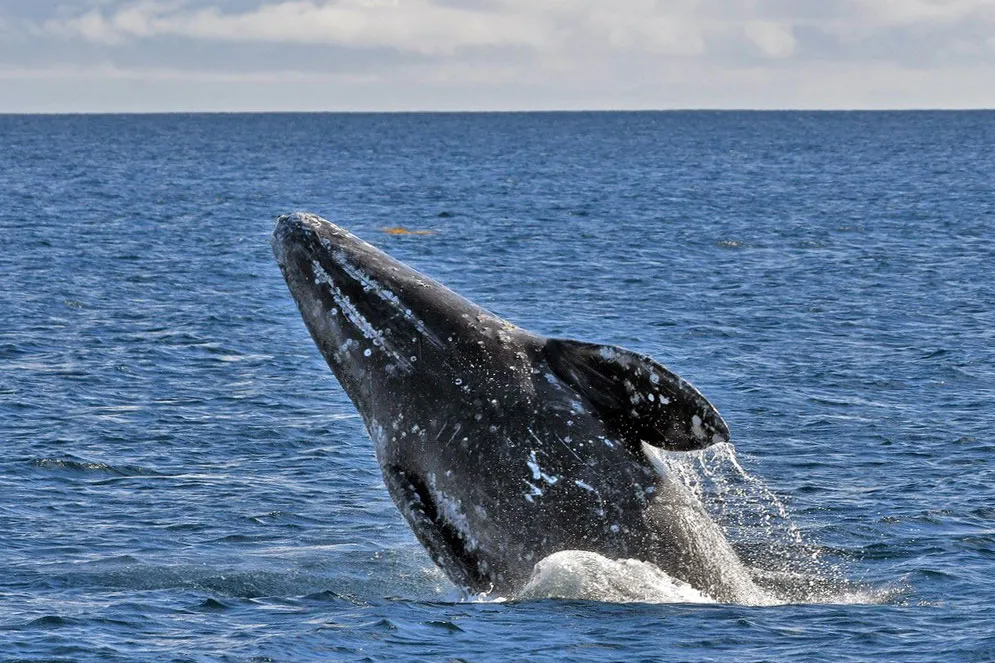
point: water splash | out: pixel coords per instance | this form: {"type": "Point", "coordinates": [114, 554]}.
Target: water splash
{"type": "Point", "coordinates": [757, 524]}
{"type": "Point", "coordinates": [752, 551]}
{"type": "Point", "coordinates": [582, 575]}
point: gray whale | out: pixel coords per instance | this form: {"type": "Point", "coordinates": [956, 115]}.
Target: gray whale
{"type": "Point", "coordinates": [499, 446]}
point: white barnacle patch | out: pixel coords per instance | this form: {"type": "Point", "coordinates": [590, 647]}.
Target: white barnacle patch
{"type": "Point", "coordinates": [696, 428]}
{"type": "Point", "coordinates": [651, 397]}
{"type": "Point", "coordinates": [534, 492]}
{"type": "Point", "coordinates": [576, 407]}
{"type": "Point", "coordinates": [537, 472]}
{"type": "Point", "coordinates": [534, 465]}
{"type": "Point", "coordinates": [586, 486]}
{"type": "Point", "coordinates": [607, 353]}
{"type": "Point", "coordinates": [379, 437]}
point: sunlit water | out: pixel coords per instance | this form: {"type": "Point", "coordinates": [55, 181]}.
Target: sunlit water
{"type": "Point", "coordinates": [183, 480]}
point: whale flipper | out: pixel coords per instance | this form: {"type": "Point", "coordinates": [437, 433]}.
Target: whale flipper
{"type": "Point", "coordinates": [640, 399]}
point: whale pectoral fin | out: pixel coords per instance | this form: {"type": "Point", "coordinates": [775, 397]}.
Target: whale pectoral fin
{"type": "Point", "coordinates": [637, 398]}
{"type": "Point", "coordinates": [443, 541]}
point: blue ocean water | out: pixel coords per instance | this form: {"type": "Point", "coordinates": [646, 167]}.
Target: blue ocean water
{"type": "Point", "coordinates": [182, 479]}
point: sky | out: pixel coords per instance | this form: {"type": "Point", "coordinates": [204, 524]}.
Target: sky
{"type": "Point", "coordinates": [393, 55]}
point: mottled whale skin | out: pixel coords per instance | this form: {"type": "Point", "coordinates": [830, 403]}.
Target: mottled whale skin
{"type": "Point", "coordinates": [499, 446]}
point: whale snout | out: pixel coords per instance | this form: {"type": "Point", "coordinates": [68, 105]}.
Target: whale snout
{"type": "Point", "coordinates": [301, 230]}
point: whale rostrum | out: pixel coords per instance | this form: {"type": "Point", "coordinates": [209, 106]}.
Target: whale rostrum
{"type": "Point", "coordinates": [500, 446]}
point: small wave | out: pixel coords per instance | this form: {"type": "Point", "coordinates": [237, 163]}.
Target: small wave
{"type": "Point", "coordinates": [52, 621]}
{"type": "Point", "coordinates": [72, 464]}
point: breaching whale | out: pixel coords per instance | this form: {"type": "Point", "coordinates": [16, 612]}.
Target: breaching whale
{"type": "Point", "coordinates": [500, 446]}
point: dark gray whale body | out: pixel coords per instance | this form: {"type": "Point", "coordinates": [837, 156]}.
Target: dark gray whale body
{"type": "Point", "coordinates": [499, 446]}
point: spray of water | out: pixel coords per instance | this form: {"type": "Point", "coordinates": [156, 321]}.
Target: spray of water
{"type": "Point", "coordinates": [750, 545]}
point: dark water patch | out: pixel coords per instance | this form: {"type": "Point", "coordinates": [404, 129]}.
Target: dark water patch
{"type": "Point", "coordinates": [73, 464]}
{"type": "Point", "coordinates": [212, 605]}
{"type": "Point", "coordinates": [53, 622]}
{"type": "Point", "coordinates": [444, 625]}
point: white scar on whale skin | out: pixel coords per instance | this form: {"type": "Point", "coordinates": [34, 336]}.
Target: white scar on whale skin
{"type": "Point", "coordinates": [352, 314]}
{"type": "Point", "coordinates": [452, 510]}
{"type": "Point", "coordinates": [537, 472]}
{"type": "Point", "coordinates": [370, 284]}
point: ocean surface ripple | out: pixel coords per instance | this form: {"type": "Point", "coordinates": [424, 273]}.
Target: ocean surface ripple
{"type": "Point", "coordinates": [183, 479]}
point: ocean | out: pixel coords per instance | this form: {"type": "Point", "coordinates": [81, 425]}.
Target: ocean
{"type": "Point", "coordinates": [182, 478]}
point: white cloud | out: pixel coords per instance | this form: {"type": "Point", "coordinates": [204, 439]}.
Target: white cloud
{"type": "Point", "coordinates": [407, 25]}
{"type": "Point", "coordinates": [775, 40]}
{"type": "Point", "coordinates": [110, 72]}
{"type": "Point", "coordinates": [658, 35]}
{"type": "Point", "coordinates": [678, 28]}
{"type": "Point", "coordinates": [908, 12]}
{"type": "Point", "coordinates": [558, 53]}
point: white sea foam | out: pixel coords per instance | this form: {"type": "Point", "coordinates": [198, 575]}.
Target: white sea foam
{"type": "Point", "coordinates": [588, 576]}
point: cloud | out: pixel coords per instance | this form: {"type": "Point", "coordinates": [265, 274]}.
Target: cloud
{"type": "Point", "coordinates": [774, 40]}
{"type": "Point", "coordinates": [410, 25]}
{"type": "Point", "coordinates": [501, 53]}
{"type": "Point", "coordinates": [679, 29]}
{"type": "Point", "coordinates": [909, 12]}
{"type": "Point", "coordinates": [579, 29]}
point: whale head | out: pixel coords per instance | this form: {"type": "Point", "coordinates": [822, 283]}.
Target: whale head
{"type": "Point", "coordinates": [376, 321]}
